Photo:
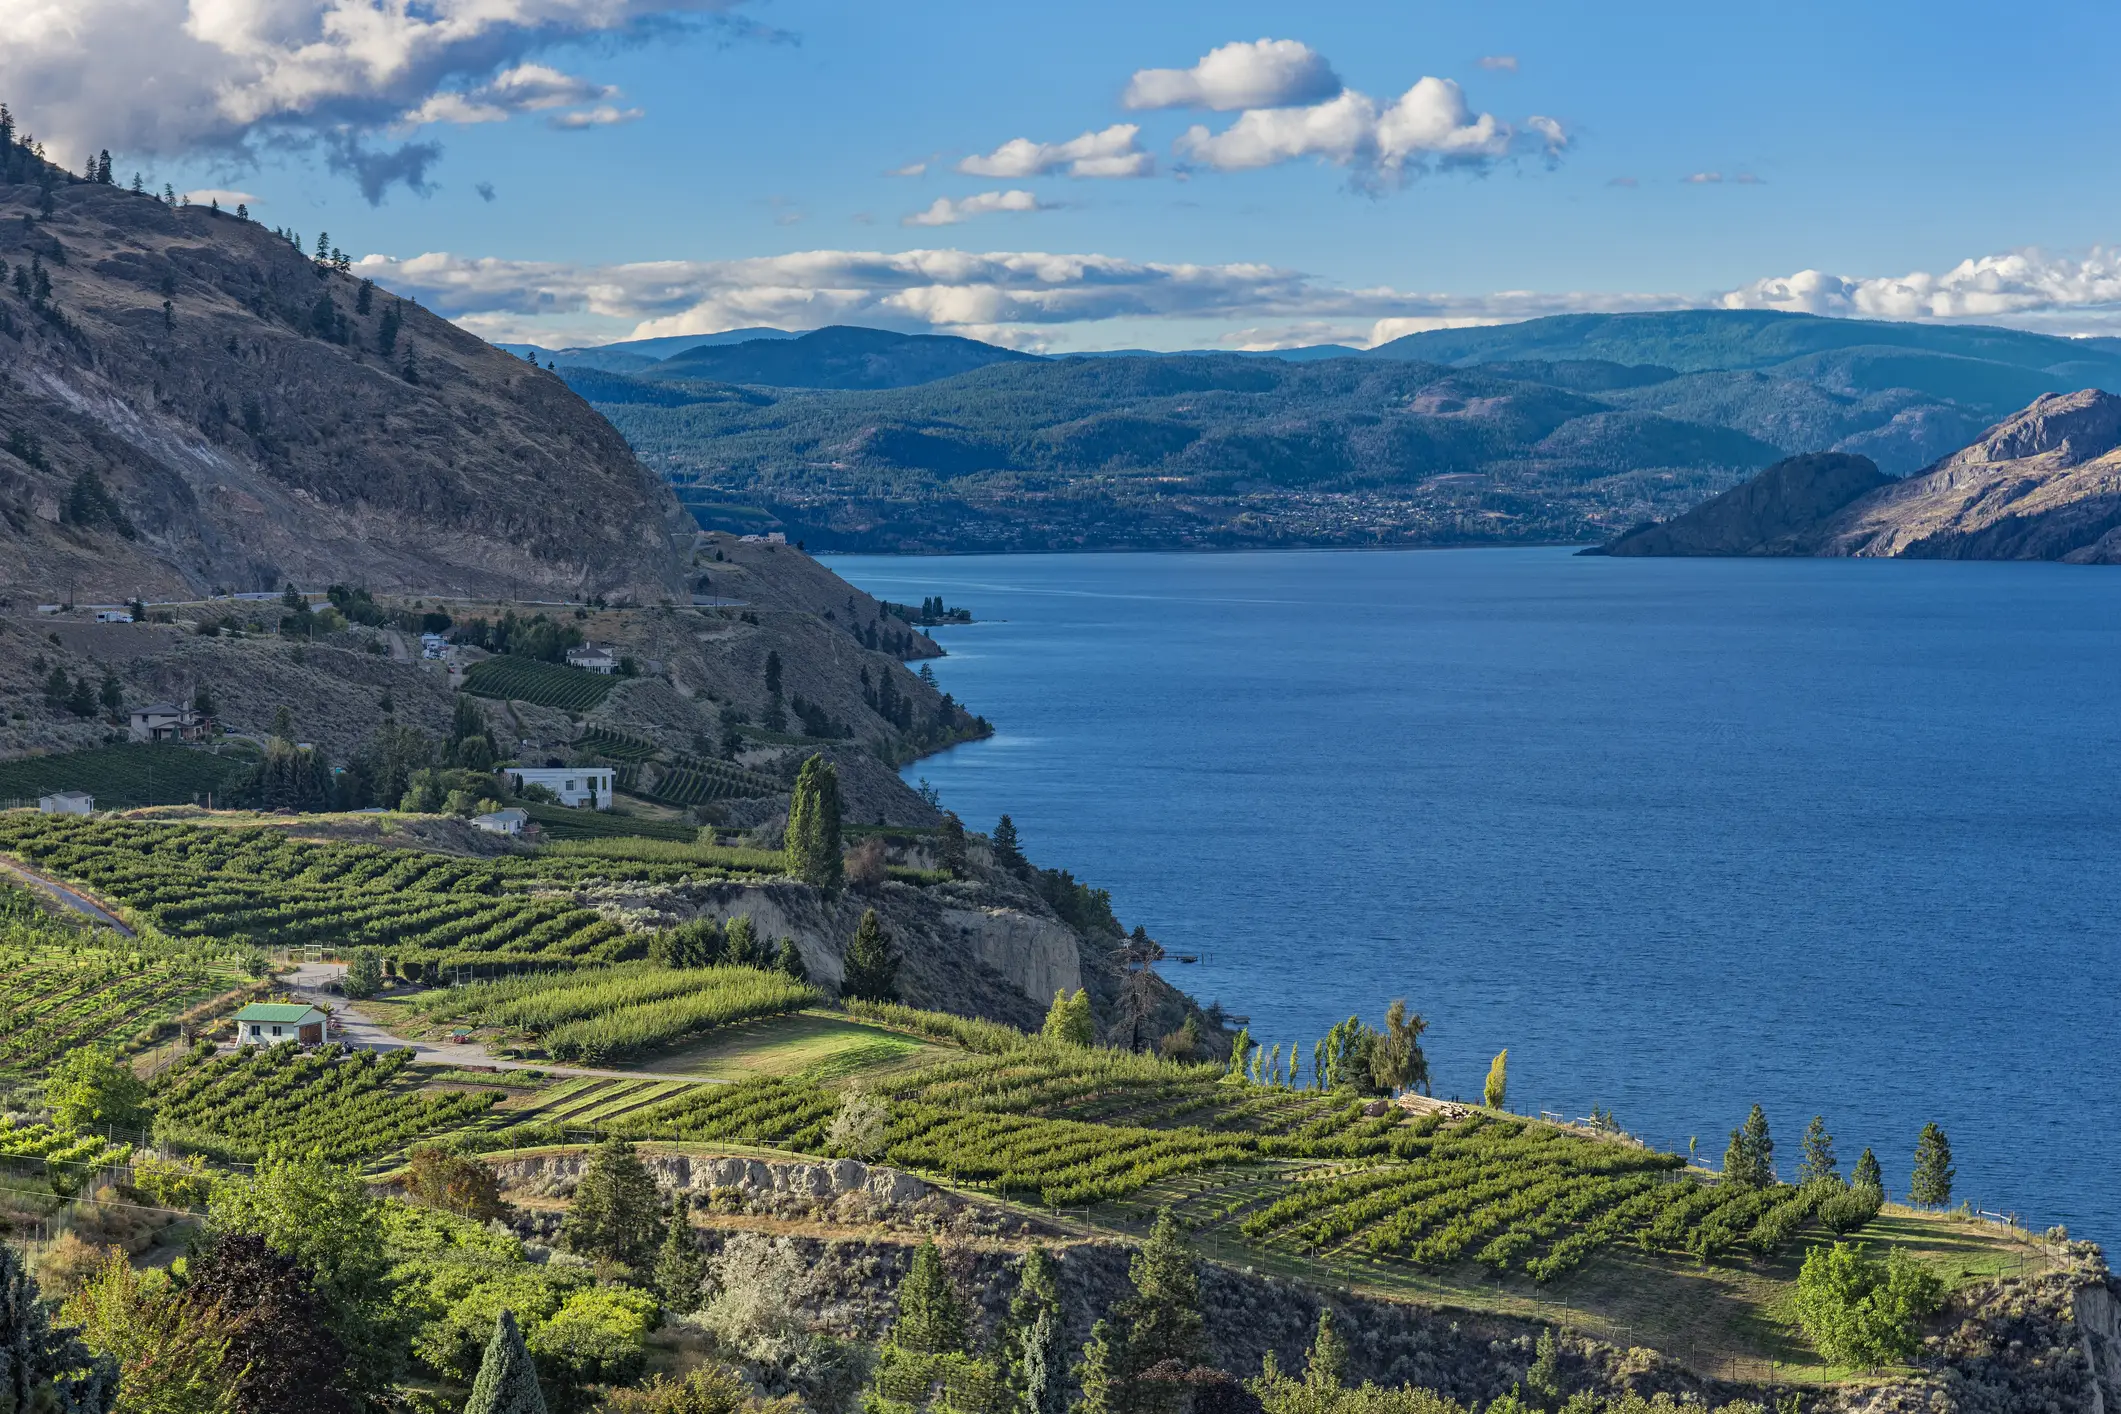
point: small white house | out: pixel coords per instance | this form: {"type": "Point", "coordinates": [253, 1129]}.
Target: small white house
{"type": "Point", "coordinates": [169, 721]}
{"type": "Point", "coordinates": [593, 786]}
{"type": "Point", "coordinates": [772, 537]}
{"type": "Point", "coordinates": [270, 1023]}
{"type": "Point", "coordinates": [502, 822]}
{"type": "Point", "coordinates": [67, 802]}
{"type": "Point", "coordinates": [593, 657]}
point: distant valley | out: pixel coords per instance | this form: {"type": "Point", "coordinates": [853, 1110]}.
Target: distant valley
{"type": "Point", "coordinates": [1567, 429]}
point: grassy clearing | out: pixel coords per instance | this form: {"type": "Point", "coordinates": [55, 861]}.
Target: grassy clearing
{"type": "Point", "coordinates": [820, 1047]}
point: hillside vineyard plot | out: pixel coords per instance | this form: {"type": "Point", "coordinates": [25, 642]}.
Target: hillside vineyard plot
{"type": "Point", "coordinates": [532, 680]}
{"type": "Point", "coordinates": [134, 774]}
{"type": "Point", "coordinates": [348, 1106]}
{"type": "Point", "coordinates": [623, 1011]}
{"type": "Point", "coordinates": [57, 993]}
{"type": "Point", "coordinates": [257, 887]}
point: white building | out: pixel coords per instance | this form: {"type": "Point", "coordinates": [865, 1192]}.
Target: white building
{"type": "Point", "coordinates": [169, 721]}
{"type": "Point", "coordinates": [431, 645]}
{"type": "Point", "coordinates": [502, 822]}
{"type": "Point", "coordinates": [114, 616]}
{"type": "Point", "coordinates": [270, 1023]}
{"type": "Point", "coordinates": [67, 802]}
{"type": "Point", "coordinates": [595, 658]}
{"type": "Point", "coordinates": [593, 786]}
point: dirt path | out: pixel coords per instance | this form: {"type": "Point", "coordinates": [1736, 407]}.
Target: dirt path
{"type": "Point", "coordinates": [308, 980]}
{"type": "Point", "coordinates": [66, 894]}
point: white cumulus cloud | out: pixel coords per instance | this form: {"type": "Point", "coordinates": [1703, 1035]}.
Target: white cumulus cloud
{"type": "Point", "coordinates": [2028, 287]}
{"type": "Point", "coordinates": [945, 212]}
{"type": "Point", "coordinates": [1266, 73]}
{"type": "Point", "coordinates": [1430, 122]}
{"type": "Point", "coordinates": [1114, 152]}
{"type": "Point", "coordinates": [170, 77]}
{"type": "Point", "coordinates": [601, 116]}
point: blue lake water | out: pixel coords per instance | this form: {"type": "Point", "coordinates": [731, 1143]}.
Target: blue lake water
{"type": "Point", "coordinates": [1838, 837]}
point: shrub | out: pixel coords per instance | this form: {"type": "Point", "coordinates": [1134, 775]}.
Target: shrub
{"type": "Point", "coordinates": [364, 974]}
{"type": "Point", "coordinates": [1851, 1208]}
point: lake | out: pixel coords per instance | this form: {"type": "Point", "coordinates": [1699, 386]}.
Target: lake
{"type": "Point", "coordinates": [1835, 836]}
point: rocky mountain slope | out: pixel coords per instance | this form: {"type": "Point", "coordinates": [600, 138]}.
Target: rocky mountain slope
{"type": "Point", "coordinates": [189, 402]}
{"type": "Point", "coordinates": [2043, 484]}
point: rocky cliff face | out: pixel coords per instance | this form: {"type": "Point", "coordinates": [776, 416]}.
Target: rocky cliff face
{"type": "Point", "coordinates": [187, 401]}
{"type": "Point", "coordinates": [2043, 484]}
{"type": "Point", "coordinates": [1770, 514]}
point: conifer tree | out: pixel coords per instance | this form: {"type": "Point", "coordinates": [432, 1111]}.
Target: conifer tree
{"type": "Point", "coordinates": [813, 840]}
{"type": "Point", "coordinates": [1759, 1147]}
{"type": "Point", "coordinates": [111, 695]}
{"type": "Point", "coordinates": [1037, 1359]}
{"type": "Point", "coordinates": [507, 1382]}
{"type": "Point", "coordinates": [614, 1212]}
{"type": "Point", "coordinates": [1544, 1375]}
{"type": "Point", "coordinates": [950, 852]}
{"type": "Point", "coordinates": [1737, 1163]}
{"type": "Point", "coordinates": [1326, 1366]}
{"type": "Point", "coordinates": [42, 1368]}
{"type": "Point", "coordinates": [1007, 853]}
{"type": "Point", "coordinates": [870, 969]}
{"type": "Point", "coordinates": [678, 1269]}
{"type": "Point", "coordinates": [1867, 1173]}
{"type": "Point", "coordinates": [1819, 1161]}
{"type": "Point", "coordinates": [82, 700]}
{"type": "Point", "coordinates": [1496, 1088]}
{"type": "Point", "coordinates": [790, 961]}
{"type": "Point", "coordinates": [931, 1315]}
{"type": "Point", "coordinates": [1931, 1185]}
{"type": "Point", "coordinates": [1104, 1383]}
{"type": "Point", "coordinates": [1162, 1319]}
{"type": "Point", "coordinates": [56, 688]}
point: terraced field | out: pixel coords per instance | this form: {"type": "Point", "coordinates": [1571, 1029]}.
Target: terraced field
{"type": "Point", "coordinates": [56, 995]}
{"type": "Point", "coordinates": [544, 684]}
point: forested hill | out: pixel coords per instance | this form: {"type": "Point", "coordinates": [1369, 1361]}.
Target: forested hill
{"type": "Point", "coordinates": [189, 401]}
{"type": "Point", "coordinates": [1551, 430]}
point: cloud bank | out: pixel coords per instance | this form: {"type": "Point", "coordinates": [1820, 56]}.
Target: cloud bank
{"type": "Point", "coordinates": [160, 78]}
{"type": "Point", "coordinates": [1027, 298]}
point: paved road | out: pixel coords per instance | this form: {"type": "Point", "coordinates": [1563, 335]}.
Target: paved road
{"type": "Point", "coordinates": [70, 897]}
{"type": "Point", "coordinates": [307, 983]}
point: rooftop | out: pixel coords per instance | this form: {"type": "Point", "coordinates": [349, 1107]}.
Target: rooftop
{"type": "Point", "coordinates": [276, 1011]}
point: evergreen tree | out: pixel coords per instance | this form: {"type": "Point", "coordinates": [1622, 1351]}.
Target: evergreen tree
{"type": "Point", "coordinates": [283, 723]}
{"type": "Point", "coordinates": [1737, 1163]}
{"type": "Point", "coordinates": [1544, 1376]}
{"type": "Point", "coordinates": [741, 947]}
{"type": "Point", "coordinates": [1162, 1319]}
{"type": "Point", "coordinates": [1931, 1185]}
{"type": "Point", "coordinates": [950, 852]}
{"type": "Point", "coordinates": [1069, 1019]}
{"type": "Point", "coordinates": [81, 701]}
{"type": "Point", "coordinates": [364, 297]}
{"type": "Point", "coordinates": [56, 690]}
{"type": "Point", "coordinates": [507, 1382]}
{"type": "Point", "coordinates": [614, 1212]}
{"type": "Point", "coordinates": [1007, 853]}
{"type": "Point", "coordinates": [111, 695]}
{"type": "Point", "coordinates": [1326, 1366]}
{"type": "Point", "coordinates": [1105, 1384]}
{"type": "Point", "coordinates": [41, 1368]}
{"type": "Point", "coordinates": [773, 673]}
{"type": "Point", "coordinates": [1759, 1147]}
{"type": "Point", "coordinates": [1037, 1360]}
{"type": "Point", "coordinates": [869, 971]}
{"type": "Point", "coordinates": [387, 331]}
{"type": "Point", "coordinates": [679, 1272]}
{"type": "Point", "coordinates": [931, 1315]}
{"type": "Point", "coordinates": [813, 841]}
{"type": "Point", "coordinates": [1496, 1088]}
{"type": "Point", "coordinates": [1867, 1173]}
{"type": "Point", "coordinates": [790, 961]}
{"type": "Point", "coordinates": [1819, 1161]}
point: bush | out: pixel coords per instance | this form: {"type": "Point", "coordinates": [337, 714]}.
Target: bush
{"type": "Point", "coordinates": [1863, 1312]}
{"type": "Point", "coordinates": [1851, 1208]}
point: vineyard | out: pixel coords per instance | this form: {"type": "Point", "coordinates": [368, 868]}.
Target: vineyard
{"type": "Point", "coordinates": [67, 1159]}
{"type": "Point", "coordinates": [535, 681]}
{"type": "Point", "coordinates": [57, 993]}
{"type": "Point", "coordinates": [616, 745]}
{"type": "Point", "coordinates": [121, 777]}
{"type": "Point", "coordinates": [560, 822]}
{"type": "Point", "coordinates": [349, 1107]}
{"type": "Point", "coordinates": [694, 780]}
{"type": "Point", "coordinates": [622, 1011]}
{"type": "Point", "coordinates": [259, 887]}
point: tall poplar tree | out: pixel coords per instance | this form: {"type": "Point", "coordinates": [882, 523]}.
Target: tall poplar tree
{"type": "Point", "coordinates": [1496, 1089]}
{"type": "Point", "coordinates": [813, 839]}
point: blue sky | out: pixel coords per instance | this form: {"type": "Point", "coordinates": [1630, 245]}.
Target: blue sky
{"type": "Point", "coordinates": [731, 165]}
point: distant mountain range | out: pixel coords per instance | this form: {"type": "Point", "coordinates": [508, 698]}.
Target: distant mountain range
{"type": "Point", "coordinates": [1570, 428]}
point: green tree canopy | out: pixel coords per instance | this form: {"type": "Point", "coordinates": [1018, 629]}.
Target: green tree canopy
{"type": "Point", "coordinates": [1863, 1312]}
{"type": "Point", "coordinates": [90, 1088]}
{"type": "Point", "coordinates": [1326, 1364]}
{"type": "Point", "coordinates": [614, 1212]}
{"type": "Point", "coordinates": [1496, 1088]}
{"type": "Point", "coordinates": [1867, 1173]}
{"type": "Point", "coordinates": [41, 1367]}
{"type": "Point", "coordinates": [1034, 1348]}
{"type": "Point", "coordinates": [1007, 852]}
{"type": "Point", "coordinates": [1819, 1162]}
{"type": "Point", "coordinates": [813, 841]}
{"type": "Point", "coordinates": [679, 1272]}
{"type": "Point", "coordinates": [1162, 1319]}
{"type": "Point", "coordinates": [1069, 1019]}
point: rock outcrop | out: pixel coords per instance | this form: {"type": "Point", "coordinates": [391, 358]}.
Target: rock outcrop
{"type": "Point", "coordinates": [1771, 514]}
{"type": "Point", "coordinates": [2043, 484]}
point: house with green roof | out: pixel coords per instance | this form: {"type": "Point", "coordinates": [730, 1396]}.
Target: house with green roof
{"type": "Point", "coordinates": [270, 1023]}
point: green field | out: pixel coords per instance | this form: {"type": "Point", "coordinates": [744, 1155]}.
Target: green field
{"type": "Point", "coordinates": [815, 1045]}
{"type": "Point", "coordinates": [600, 1015]}
{"type": "Point", "coordinates": [561, 822]}
{"type": "Point", "coordinates": [123, 777]}
{"type": "Point", "coordinates": [544, 684]}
